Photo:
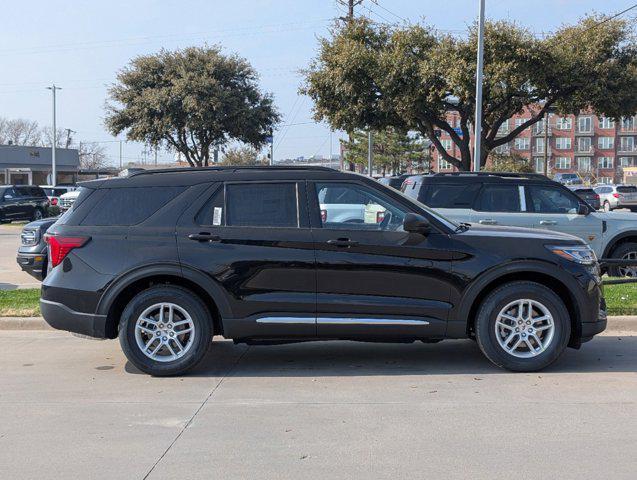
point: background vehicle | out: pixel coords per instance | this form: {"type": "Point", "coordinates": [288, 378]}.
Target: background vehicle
{"type": "Point", "coordinates": [617, 196]}
{"type": "Point", "coordinates": [180, 255]}
{"type": "Point", "coordinates": [22, 202]}
{"type": "Point", "coordinates": [54, 193]}
{"type": "Point", "coordinates": [394, 182]}
{"type": "Point", "coordinates": [528, 200]}
{"type": "Point", "coordinates": [32, 253]}
{"type": "Point", "coordinates": [587, 194]}
{"type": "Point", "coordinates": [68, 199]}
{"type": "Point", "coordinates": [568, 179]}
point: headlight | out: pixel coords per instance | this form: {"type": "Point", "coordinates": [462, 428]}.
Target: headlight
{"type": "Point", "coordinates": [575, 253]}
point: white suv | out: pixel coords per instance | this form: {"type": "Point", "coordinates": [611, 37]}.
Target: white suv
{"type": "Point", "coordinates": [617, 196]}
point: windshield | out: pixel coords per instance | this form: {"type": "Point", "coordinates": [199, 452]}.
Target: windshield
{"type": "Point", "coordinates": [441, 218]}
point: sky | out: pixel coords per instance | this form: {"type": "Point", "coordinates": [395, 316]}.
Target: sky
{"type": "Point", "coordinates": [80, 46]}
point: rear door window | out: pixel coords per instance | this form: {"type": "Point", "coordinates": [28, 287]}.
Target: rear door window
{"type": "Point", "coordinates": [262, 205]}
{"type": "Point", "coordinates": [499, 198]}
{"type": "Point", "coordinates": [449, 195]}
{"type": "Point", "coordinates": [627, 189]}
{"type": "Point", "coordinates": [548, 199]}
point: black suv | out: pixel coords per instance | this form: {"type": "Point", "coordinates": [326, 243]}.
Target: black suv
{"type": "Point", "coordinates": [167, 259]}
{"type": "Point", "coordinates": [22, 202]}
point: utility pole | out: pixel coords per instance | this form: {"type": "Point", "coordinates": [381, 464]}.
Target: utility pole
{"type": "Point", "coordinates": [120, 155]}
{"type": "Point", "coordinates": [546, 143]}
{"type": "Point", "coordinates": [370, 152]}
{"type": "Point", "coordinates": [350, 4]}
{"type": "Point", "coordinates": [68, 136]}
{"type": "Point", "coordinates": [53, 89]}
{"type": "Point", "coordinates": [477, 149]}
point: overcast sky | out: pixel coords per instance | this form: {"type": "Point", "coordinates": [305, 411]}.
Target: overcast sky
{"type": "Point", "coordinates": [81, 45]}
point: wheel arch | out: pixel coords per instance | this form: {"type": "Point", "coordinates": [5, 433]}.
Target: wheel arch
{"type": "Point", "coordinates": [123, 289]}
{"type": "Point", "coordinates": [528, 271]}
{"type": "Point", "coordinates": [617, 240]}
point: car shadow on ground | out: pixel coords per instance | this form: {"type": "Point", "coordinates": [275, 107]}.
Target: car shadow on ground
{"type": "Point", "coordinates": [341, 358]}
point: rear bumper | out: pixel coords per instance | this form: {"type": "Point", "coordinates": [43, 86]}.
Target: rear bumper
{"type": "Point", "coordinates": [61, 317]}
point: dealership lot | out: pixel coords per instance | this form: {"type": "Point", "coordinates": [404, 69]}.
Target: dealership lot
{"type": "Point", "coordinates": [336, 410]}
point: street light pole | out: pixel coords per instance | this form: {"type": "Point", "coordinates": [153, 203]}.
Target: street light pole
{"type": "Point", "coordinates": [477, 149]}
{"type": "Point", "coordinates": [370, 152]}
{"type": "Point", "coordinates": [53, 89]}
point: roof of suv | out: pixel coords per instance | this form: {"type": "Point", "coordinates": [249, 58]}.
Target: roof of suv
{"type": "Point", "coordinates": [485, 177]}
{"type": "Point", "coordinates": [192, 176]}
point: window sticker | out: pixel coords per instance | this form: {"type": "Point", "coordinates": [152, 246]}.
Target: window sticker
{"type": "Point", "coordinates": [216, 216]}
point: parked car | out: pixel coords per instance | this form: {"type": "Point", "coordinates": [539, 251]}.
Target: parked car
{"type": "Point", "coordinates": [568, 179]}
{"type": "Point", "coordinates": [587, 194]}
{"type": "Point", "coordinates": [617, 196]}
{"type": "Point", "coordinates": [394, 182]}
{"type": "Point", "coordinates": [32, 252]}
{"type": "Point", "coordinates": [166, 259]}
{"type": "Point", "coordinates": [528, 200]}
{"type": "Point", "coordinates": [54, 193]}
{"type": "Point", "coordinates": [22, 202]}
{"type": "Point", "coordinates": [67, 200]}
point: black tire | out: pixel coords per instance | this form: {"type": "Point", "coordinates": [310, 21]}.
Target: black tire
{"type": "Point", "coordinates": [497, 300]}
{"type": "Point", "coordinates": [606, 206]}
{"type": "Point", "coordinates": [184, 299]}
{"type": "Point", "coordinates": [618, 253]}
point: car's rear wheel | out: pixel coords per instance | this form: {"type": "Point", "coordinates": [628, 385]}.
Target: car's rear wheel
{"type": "Point", "coordinates": [522, 326]}
{"type": "Point", "coordinates": [626, 251]}
{"type": "Point", "coordinates": [165, 330]}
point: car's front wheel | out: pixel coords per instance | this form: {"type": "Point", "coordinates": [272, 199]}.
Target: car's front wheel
{"type": "Point", "coordinates": [522, 326]}
{"type": "Point", "coordinates": [165, 330]}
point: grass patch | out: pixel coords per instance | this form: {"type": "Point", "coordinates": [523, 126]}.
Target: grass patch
{"type": "Point", "coordinates": [20, 303]}
{"type": "Point", "coordinates": [621, 299]}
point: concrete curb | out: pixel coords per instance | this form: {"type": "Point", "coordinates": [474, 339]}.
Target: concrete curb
{"type": "Point", "coordinates": [615, 324]}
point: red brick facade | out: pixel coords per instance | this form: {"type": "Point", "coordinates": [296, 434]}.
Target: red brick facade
{"type": "Point", "coordinates": [592, 146]}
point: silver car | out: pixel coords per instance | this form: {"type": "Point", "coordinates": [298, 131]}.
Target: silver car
{"type": "Point", "coordinates": [617, 196]}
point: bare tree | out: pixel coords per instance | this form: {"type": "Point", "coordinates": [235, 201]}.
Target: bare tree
{"type": "Point", "coordinates": [60, 137]}
{"type": "Point", "coordinates": [20, 132]}
{"type": "Point", "coordinates": [92, 156]}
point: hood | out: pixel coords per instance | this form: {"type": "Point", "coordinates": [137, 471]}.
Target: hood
{"type": "Point", "coordinates": [73, 194]}
{"type": "Point", "coordinates": [477, 230]}
{"type": "Point", "coordinates": [617, 216]}
{"type": "Point", "coordinates": [43, 223]}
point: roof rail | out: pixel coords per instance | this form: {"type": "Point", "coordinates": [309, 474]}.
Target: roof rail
{"type": "Point", "coordinates": [229, 168]}
{"type": "Point", "coordinates": [537, 176]}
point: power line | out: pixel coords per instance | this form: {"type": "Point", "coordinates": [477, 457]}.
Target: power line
{"type": "Point", "coordinates": [376, 2]}
{"type": "Point", "coordinates": [610, 18]}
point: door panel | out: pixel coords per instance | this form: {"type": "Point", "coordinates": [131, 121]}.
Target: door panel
{"type": "Point", "coordinates": [503, 205]}
{"type": "Point", "coordinates": [266, 273]}
{"type": "Point", "coordinates": [376, 280]}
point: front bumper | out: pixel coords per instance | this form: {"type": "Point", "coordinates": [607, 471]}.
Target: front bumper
{"type": "Point", "coordinates": [61, 317]}
{"type": "Point", "coordinates": [33, 263]}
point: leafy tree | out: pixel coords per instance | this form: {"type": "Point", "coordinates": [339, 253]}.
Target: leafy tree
{"type": "Point", "coordinates": [190, 101]}
{"type": "Point", "coordinates": [393, 150]}
{"type": "Point", "coordinates": [411, 77]}
{"type": "Point", "coordinates": [500, 162]}
{"type": "Point", "coordinates": [244, 155]}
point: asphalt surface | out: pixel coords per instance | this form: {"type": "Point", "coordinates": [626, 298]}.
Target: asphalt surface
{"type": "Point", "coordinates": [74, 408]}
{"type": "Point", "coordinates": [11, 276]}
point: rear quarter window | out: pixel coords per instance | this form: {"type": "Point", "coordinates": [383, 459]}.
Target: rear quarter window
{"type": "Point", "coordinates": [128, 206]}
{"type": "Point", "coordinates": [627, 189]}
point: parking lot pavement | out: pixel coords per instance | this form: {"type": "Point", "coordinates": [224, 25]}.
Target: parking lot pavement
{"type": "Point", "coordinates": [73, 408]}
{"type": "Point", "coordinates": [11, 276]}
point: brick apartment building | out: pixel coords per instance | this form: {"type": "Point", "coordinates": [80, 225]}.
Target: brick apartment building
{"type": "Point", "coordinates": [594, 147]}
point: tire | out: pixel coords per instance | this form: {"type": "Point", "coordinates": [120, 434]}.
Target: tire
{"type": "Point", "coordinates": [607, 207]}
{"type": "Point", "coordinates": [37, 215]}
{"type": "Point", "coordinates": [556, 338]}
{"type": "Point", "coordinates": [627, 251]}
{"type": "Point", "coordinates": [187, 307]}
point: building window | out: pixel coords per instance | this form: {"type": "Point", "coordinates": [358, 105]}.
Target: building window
{"type": "Point", "coordinates": [584, 164]}
{"type": "Point", "coordinates": [522, 143]}
{"type": "Point", "coordinates": [562, 163]}
{"type": "Point", "coordinates": [605, 162]}
{"type": "Point", "coordinates": [563, 143]}
{"type": "Point", "coordinates": [539, 127]}
{"type": "Point", "coordinates": [564, 123]}
{"type": "Point", "coordinates": [584, 144]}
{"type": "Point", "coordinates": [628, 124]}
{"type": "Point", "coordinates": [444, 165]}
{"type": "Point", "coordinates": [605, 122]}
{"type": "Point", "coordinates": [520, 121]}
{"type": "Point", "coordinates": [446, 143]}
{"type": "Point", "coordinates": [604, 180]}
{"type": "Point", "coordinates": [539, 145]}
{"type": "Point", "coordinates": [504, 128]}
{"type": "Point", "coordinates": [626, 162]}
{"type": "Point", "coordinates": [627, 144]}
{"type": "Point", "coordinates": [585, 124]}
{"type": "Point", "coordinates": [501, 149]}
{"type": "Point", "coordinates": [606, 143]}
{"type": "Point", "coordinates": [539, 164]}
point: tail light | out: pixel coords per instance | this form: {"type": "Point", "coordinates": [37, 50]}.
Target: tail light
{"type": "Point", "coordinates": [54, 201]}
{"type": "Point", "coordinates": [380, 216]}
{"type": "Point", "coordinates": [596, 197]}
{"type": "Point", "coordinates": [60, 246]}
{"type": "Point", "coordinates": [616, 195]}
{"type": "Point", "coordinates": [323, 215]}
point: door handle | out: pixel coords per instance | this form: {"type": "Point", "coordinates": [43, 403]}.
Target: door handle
{"type": "Point", "coordinates": [488, 221]}
{"type": "Point", "coordinates": [204, 237]}
{"type": "Point", "coordinates": [548, 222]}
{"type": "Point", "coordinates": [342, 242]}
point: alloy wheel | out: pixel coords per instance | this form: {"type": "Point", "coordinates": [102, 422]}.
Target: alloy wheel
{"type": "Point", "coordinates": [164, 332]}
{"type": "Point", "coordinates": [524, 328]}
{"type": "Point", "coordinates": [628, 271]}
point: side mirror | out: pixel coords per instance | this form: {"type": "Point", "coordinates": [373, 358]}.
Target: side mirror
{"type": "Point", "coordinates": [583, 209]}
{"type": "Point", "coordinates": [414, 223]}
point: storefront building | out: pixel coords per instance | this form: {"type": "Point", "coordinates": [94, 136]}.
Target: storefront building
{"type": "Point", "coordinates": [20, 165]}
